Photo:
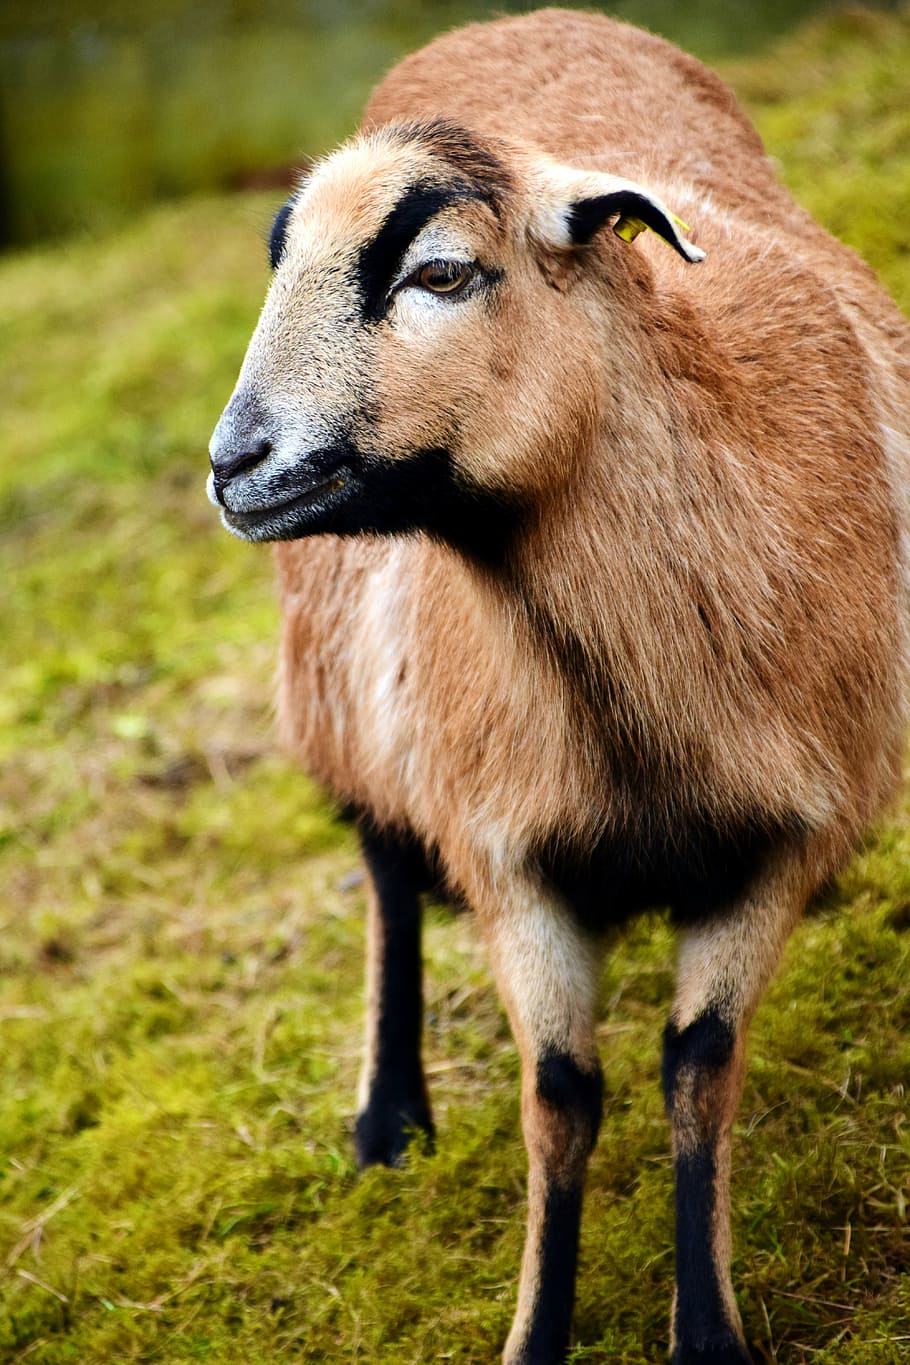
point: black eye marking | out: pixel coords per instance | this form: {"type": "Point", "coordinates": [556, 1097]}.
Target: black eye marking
{"type": "Point", "coordinates": [278, 234]}
{"type": "Point", "coordinates": [467, 154]}
{"type": "Point", "coordinates": [380, 259]}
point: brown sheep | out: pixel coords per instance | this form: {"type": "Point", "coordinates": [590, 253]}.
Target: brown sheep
{"type": "Point", "coordinates": [595, 586]}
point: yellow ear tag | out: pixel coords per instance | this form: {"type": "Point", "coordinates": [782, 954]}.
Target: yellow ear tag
{"type": "Point", "coordinates": [629, 228]}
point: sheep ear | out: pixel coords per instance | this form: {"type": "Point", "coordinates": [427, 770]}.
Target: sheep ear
{"type": "Point", "coordinates": [585, 200]}
{"type": "Point", "coordinates": [638, 210]}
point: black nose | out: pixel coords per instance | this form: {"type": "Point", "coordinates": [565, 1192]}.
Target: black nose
{"type": "Point", "coordinates": [228, 465]}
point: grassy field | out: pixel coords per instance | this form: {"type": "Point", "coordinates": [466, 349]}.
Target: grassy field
{"type": "Point", "coordinates": [181, 952]}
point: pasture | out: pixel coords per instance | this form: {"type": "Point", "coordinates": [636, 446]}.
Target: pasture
{"type": "Point", "coordinates": [181, 949]}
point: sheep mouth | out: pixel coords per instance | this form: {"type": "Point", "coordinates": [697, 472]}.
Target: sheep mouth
{"type": "Point", "coordinates": [281, 520]}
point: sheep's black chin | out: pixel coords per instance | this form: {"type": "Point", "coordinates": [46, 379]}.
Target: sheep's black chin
{"type": "Point", "coordinates": [299, 516]}
{"type": "Point", "coordinates": [380, 495]}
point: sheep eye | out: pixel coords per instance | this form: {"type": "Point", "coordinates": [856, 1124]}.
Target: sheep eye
{"type": "Point", "coordinates": [443, 277]}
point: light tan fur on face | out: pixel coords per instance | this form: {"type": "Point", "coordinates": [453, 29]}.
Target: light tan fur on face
{"type": "Point", "coordinates": [704, 612]}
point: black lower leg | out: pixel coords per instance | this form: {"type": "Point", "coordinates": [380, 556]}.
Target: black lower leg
{"type": "Point", "coordinates": [396, 1099]}
{"type": "Point", "coordinates": [699, 1082]}
{"type": "Point", "coordinates": [548, 1331]}
{"type": "Point", "coordinates": [570, 1102]}
{"type": "Point", "coordinates": [704, 1335]}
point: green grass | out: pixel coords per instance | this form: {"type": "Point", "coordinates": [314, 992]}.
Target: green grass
{"type": "Point", "coordinates": [181, 949]}
{"type": "Point", "coordinates": [832, 105]}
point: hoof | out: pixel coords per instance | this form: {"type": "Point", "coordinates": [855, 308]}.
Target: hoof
{"type": "Point", "coordinates": [383, 1132]}
{"type": "Point", "coordinates": [726, 1350]}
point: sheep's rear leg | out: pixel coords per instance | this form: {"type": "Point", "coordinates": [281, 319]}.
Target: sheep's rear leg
{"type": "Point", "coordinates": [547, 971]}
{"type": "Point", "coordinates": [724, 966]}
{"type": "Point", "coordinates": [392, 1100]}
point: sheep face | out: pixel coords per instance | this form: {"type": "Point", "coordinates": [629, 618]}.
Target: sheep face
{"type": "Point", "coordinates": [432, 305]}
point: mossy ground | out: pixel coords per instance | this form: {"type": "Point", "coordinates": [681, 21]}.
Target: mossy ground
{"type": "Point", "coordinates": [182, 920]}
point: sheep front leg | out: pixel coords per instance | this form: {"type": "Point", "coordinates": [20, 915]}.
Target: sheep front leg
{"type": "Point", "coordinates": [392, 1100]}
{"type": "Point", "coordinates": [547, 972]}
{"type": "Point", "coordinates": [724, 966]}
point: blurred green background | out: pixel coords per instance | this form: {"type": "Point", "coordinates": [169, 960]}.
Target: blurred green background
{"type": "Point", "coordinates": [105, 107]}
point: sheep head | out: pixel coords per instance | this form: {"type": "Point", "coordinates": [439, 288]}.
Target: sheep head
{"type": "Point", "coordinates": [433, 349]}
